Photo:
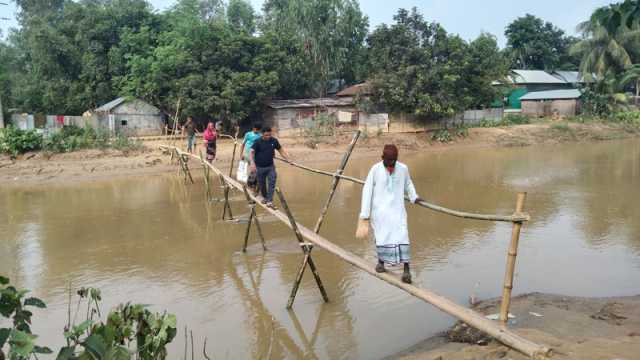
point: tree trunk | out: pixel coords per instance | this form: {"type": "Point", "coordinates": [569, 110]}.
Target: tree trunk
{"type": "Point", "coordinates": [636, 102]}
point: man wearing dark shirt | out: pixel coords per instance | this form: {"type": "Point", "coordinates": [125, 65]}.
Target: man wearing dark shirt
{"type": "Point", "coordinates": [261, 157]}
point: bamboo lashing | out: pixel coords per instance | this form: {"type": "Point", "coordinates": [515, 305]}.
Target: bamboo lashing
{"type": "Point", "coordinates": [470, 317]}
{"type": "Point", "coordinates": [511, 262]}
{"type": "Point", "coordinates": [516, 217]}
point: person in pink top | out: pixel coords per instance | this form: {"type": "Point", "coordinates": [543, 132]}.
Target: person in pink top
{"type": "Point", "coordinates": [210, 136]}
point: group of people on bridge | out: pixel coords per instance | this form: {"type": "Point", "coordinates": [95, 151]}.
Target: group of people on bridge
{"type": "Point", "coordinates": [382, 207]}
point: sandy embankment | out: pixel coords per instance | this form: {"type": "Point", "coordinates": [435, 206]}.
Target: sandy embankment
{"type": "Point", "coordinates": [91, 165]}
{"type": "Point", "coordinates": [575, 328]}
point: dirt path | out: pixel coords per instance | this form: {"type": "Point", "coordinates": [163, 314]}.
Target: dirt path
{"type": "Point", "coordinates": [576, 328]}
{"type": "Point", "coordinates": [92, 165]}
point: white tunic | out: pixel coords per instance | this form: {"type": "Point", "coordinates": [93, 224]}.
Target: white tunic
{"type": "Point", "coordinates": [383, 203]}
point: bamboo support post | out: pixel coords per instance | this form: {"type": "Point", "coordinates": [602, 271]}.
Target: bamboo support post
{"type": "Point", "coordinates": [187, 172]}
{"type": "Point", "coordinates": [468, 316]}
{"type": "Point", "coordinates": [226, 206]}
{"type": "Point", "coordinates": [175, 123]}
{"type": "Point", "coordinates": [253, 216]}
{"type": "Point", "coordinates": [307, 260]}
{"type": "Point", "coordinates": [207, 184]}
{"type": "Point", "coordinates": [336, 180]}
{"type": "Point", "coordinates": [511, 262]}
{"type": "Point", "coordinates": [233, 156]}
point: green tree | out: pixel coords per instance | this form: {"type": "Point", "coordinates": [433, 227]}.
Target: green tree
{"type": "Point", "coordinates": [241, 16]}
{"type": "Point", "coordinates": [328, 32]}
{"type": "Point", "coordinates": [538, 45]}
{"type": "Point", "coordinates": [417, 68]}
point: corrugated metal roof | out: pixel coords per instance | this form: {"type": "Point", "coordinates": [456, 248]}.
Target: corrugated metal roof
{"type": "Point", "coordinates": [110, 105]}
{"type": "Point", "coordinates": [533, 77]}
{"type": "Point", "coordinates": [552, 95]}
{"type": "Point", "coordinates": [310, 103]}
{"type": "Point", "coordinates": [354, 90]}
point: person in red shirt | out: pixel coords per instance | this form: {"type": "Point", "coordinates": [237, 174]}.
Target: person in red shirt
{"type": "Point", "coordinates": [210, 136]}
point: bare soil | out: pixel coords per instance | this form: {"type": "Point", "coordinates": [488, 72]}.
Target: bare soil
{"type": "Point", "coordinates": [93, 165]}
{"type": "Point", "coordinates": [575, 328]}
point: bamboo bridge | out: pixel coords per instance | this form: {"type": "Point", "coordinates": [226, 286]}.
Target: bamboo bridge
{"type": "Point", "coordinates": [308, 239]}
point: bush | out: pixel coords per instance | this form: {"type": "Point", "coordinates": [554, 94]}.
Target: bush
{"type": "Point", "coordinates": [322, 125]}
{"type": "Point", "coordinates": [507, 120]}
{"type": "Point", "coordinates": [14, 141]}
{"type": "Point", "coordinates": [442, 135]}
{"type": "Point", "coordinates": [626, 117]}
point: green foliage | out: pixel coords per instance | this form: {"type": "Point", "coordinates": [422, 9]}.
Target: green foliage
{"type": "Point", "coordinates": [127, 326]}
{"type": "Point", "coordinates": [14, 141]}
{"type": "Point", "coordinates": [418, 68]}
{"type": "Point", "coordinates": [538, 45]}
{"type": "Point", "coordinates": [563, 126]}
{"type": "Point", "coordinates": [330, 33]}
{"type": "Point", "coordinates": [322, 125]}
{"type": "Point", "coordinates": [14, 305]}
{"type": "Point", "coordinates": [626, 117]}
{"type": "Point", "coordinates": [72, 138]}
{"type": "Point", "coordinates": [442, 135]}
{"type": "Point", "coordinates": [507, 120]}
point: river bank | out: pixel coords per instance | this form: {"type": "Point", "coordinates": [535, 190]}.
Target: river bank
{"type": "Point", "coordinates": [576, 328]}
{"type": "Point", "coordinates": [94, 165]}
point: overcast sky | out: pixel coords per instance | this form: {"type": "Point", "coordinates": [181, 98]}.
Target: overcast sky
{"type": "Point", "coordinates": [468, 18]}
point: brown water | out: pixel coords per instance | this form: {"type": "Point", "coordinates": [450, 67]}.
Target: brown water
{"type": "Point", "coordinates": [155, 241]}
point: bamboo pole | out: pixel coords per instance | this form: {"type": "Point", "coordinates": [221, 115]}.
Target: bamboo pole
{"type": "Point", "coordinates": [461, 214]}
{"type": "Point", "coordinates": [511, 262]}
{"type": "Point", "coordinates": [233, 156]}
{"type": "Point", "coordinates": [253, 216]}
{"type": "Point", "coordinates": [205, 170]}
{"type": "Point", "coordinates": [226, 205]}
{"type": "Point", "coordinates": [307, 256]}
{"type": "Point", "coordinates": [187, 171]}
{"type": "Point", "coordinates": [336, 180]}
{"type": "Point", "coordinates": [468, 316]}
{"type": "Point", "coordinates": [175, 123]}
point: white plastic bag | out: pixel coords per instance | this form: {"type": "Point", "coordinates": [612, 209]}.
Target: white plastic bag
{"type": "Point", "coordinates": [243, 171]}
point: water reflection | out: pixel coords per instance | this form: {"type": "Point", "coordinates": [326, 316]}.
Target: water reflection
{"type": "Point", "coordinates": [157, 241]}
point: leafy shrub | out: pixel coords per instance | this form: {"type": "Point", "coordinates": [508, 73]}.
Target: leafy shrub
{"type": "Point", "coordinates": [626, 117]}
{"type": "Point", "coordinates": [322, 125]}
{"type": "Point", "coordinates": [442, 135]}
{"type": "Point", "coordinates": [14, 305]}
{"type": "Point", "coordinates": [561, 127]}
{"type": "Point", "coordinates": [14, 141]}
{"type": "Point", "coordinates": [507, 120]}
{"type": "Point", "coordinates": [130, 329]}
{"type": "Point", "coordinates": [515, 119]}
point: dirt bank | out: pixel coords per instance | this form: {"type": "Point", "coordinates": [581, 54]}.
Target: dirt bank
{"type": "Point", "coordinates": [576, 328]}
{"type": "Point", "coordinates": [92, 165]}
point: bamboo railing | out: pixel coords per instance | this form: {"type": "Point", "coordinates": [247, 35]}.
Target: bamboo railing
{"type": "Point", "coordinates": [498, 331]}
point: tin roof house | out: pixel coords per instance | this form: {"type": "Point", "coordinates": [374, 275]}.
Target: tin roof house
{"type": "Point", "coordinates": [131, 116]}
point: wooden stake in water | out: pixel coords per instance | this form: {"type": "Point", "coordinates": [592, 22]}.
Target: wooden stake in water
{"type": "Point", "coordinates": [205, 169]}
{"type": "Point", "coordinates": [233, 156]}
{"type": "Point", "coordinates": [336, 180]}
{"type": "Point", "coordinates": [511, 261]}
{"type": "Point", "coordinates": [227, 206]}
{"type": "Point", "coordinates": [252, 217]}
{"type": "Point", "coordinates": [306, 248]}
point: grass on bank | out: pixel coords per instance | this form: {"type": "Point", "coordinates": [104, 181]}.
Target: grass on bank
{"type": "Point", "coordinates": [14, 141]}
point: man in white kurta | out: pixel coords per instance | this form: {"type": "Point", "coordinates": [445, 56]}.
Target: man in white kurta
{"type": "Point", "coordinates": [383, 206]}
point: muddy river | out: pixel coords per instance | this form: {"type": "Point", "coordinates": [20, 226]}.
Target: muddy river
{"type": "Point", "coordinates": [157, 242]}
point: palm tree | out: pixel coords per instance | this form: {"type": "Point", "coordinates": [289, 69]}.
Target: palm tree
{"type": "Point", "coordinates": [632, 75]}
{"type": "Point", "coordinates": [608, 46]}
